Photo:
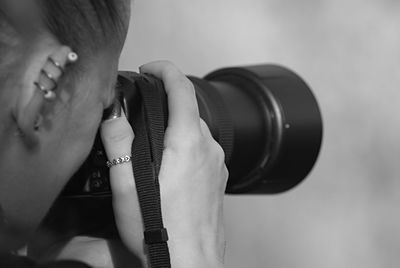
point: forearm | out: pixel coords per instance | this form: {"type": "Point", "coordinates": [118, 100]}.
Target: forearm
{"type": "Point", "coordinates": [194, 259]}
{"type": "Point", "coordinates": [201, 253]}
{"type": "Point", "coordinates": [193, 254]}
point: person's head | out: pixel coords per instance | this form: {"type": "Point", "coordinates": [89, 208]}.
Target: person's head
{"type": "Point", "coordinates": [42, 143]}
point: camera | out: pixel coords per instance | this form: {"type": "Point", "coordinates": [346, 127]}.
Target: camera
{"type": "Point", "coordinates": [265, 118]}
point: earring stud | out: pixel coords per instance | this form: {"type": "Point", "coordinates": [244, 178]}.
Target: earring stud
{"type": "Point", "coordinates": [47, 94]}
{"type": "Point", "coordinates": [72, 57]}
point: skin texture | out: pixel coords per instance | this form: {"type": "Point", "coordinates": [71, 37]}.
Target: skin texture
{"type": "Point", "coordinates": [192, 178]}
{"type": "Point", "coordinates": [51, 154]}
{"type": "Point", "coordinates": [36, 163]}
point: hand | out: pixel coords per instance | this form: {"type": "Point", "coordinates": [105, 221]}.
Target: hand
{"type": "Point", "coordinates": [96, 252]}
{"type": "Point", "coordinates": [192, 178]}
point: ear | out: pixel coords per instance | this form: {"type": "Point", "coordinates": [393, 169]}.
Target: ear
{"type": "Point", "coordinates": [39, 86]}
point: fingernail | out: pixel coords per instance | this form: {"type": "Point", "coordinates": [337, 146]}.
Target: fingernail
{"type": "Point", "coordinates": [113, 112]}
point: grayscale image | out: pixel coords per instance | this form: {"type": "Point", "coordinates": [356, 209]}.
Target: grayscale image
{"type": "Point", "coordinates": [154, 133]}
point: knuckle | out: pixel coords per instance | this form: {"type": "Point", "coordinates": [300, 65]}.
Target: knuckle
{"type": "Point", "coordinates": [198, 146]}
{"type": "Point", "coordinates": [182, 81]}
{"type": "Point", "coordinates": [225, 173]}
{"type": "Point", "coordinates": [160, 64]}
{"type": "Point", "coordinates": [204, 127]}
{"type": "Point", "coordinates": [192, 142]}
{"type": "Point", "coordinates": [203, 123]}
{"type": "Point", "coordinates": [119, 135]}
{"type": "Point", "coordinates": [171, 72]}
{"type": "Point", "coordinates": [167, 64]}
{"type": "Point", "coordinates": [219, 151]}
{"type": "Point", "coordinates": [169, 69]}
{"type": "Point", "coordinates": [186, 84]}
{"type": "Point", "coordinates": [189, 144]}
{"type": "Point", "coordinates": [180, 145]}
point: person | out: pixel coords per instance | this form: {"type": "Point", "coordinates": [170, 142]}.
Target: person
{"type": "Point", "coordinates": [58, 69]}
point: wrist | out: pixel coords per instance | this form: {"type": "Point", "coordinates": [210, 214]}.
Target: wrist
{"type": "Point", "coordinates": [196, 253]}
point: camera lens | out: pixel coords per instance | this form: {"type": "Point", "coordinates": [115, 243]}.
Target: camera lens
{"type": "Point", "coordinates": [267, 121]}
{"type": "Point", "coordinates": [265, 118]}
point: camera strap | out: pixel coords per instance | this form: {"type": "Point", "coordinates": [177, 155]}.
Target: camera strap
{"type": "Point", "coordinates": [150, 123]}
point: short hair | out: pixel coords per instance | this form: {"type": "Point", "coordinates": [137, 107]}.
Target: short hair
{"type": "Point", "coordinates": [7, 36]}
{"type": "Point", "coordinates": [87, 26]}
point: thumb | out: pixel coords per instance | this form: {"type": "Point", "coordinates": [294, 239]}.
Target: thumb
{"type": "Point", "coordinates": [117, 136]}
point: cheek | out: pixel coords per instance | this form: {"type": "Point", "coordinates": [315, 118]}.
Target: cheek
{"type": "Point", "coordinates": [86, 128]}
{"type": "Point", "coordinates": [80, 134]}
{"type": "Point", "coordinates": [85, 118]}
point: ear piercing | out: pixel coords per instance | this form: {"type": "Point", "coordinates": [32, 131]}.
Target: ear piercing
{"type": "Point", "coordinates": [57, 64]}
{"type": "Point", "coordinates": [49, 76]}
{"type": "Point", "coordinates": [48, 93]}
{"type": "Point", "coordinates": [72, 57]}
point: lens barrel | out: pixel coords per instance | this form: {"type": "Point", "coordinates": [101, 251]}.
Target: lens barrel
{"type": "Point", "coordinates": [267, 121]}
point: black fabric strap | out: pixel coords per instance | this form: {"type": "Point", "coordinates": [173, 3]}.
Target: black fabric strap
{"type": "Point", "coordinates": [149, 126]}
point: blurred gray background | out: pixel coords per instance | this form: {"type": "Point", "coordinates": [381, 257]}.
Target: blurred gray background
{"type": "Point", "coordinates": [347, 212]}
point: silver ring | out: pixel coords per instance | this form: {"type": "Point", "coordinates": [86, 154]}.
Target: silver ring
{"type": "Point", "coordinates": [119, 160]}
{"type": "Point", "coordinates": [57, 64]}
{"type": "Point", "coordinates": [42, 88]}
{"type": "Point", "coordinates": [50, 77]}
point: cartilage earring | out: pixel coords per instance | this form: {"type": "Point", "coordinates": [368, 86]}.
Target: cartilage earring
{"type": "Point", "coordinates": [57, 64]}
{"type": "Point", "coordinates": [48, 81]}
{"type": "Point", "coordinates": [50, 77]}
{"type": "Point", "coordinates": [48, 94]}
{"type": "Point", "coordinates": [72, 57]}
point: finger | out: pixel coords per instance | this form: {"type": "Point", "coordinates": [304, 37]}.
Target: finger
{"type": "Point", "coordinates": [182, 103]}
{"type": "Point", "coordinates": [117, 136]}
{"type": "Point", "coordinates": [91, 250]}
{"type": "Point", "coordinates": [205, 130]}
